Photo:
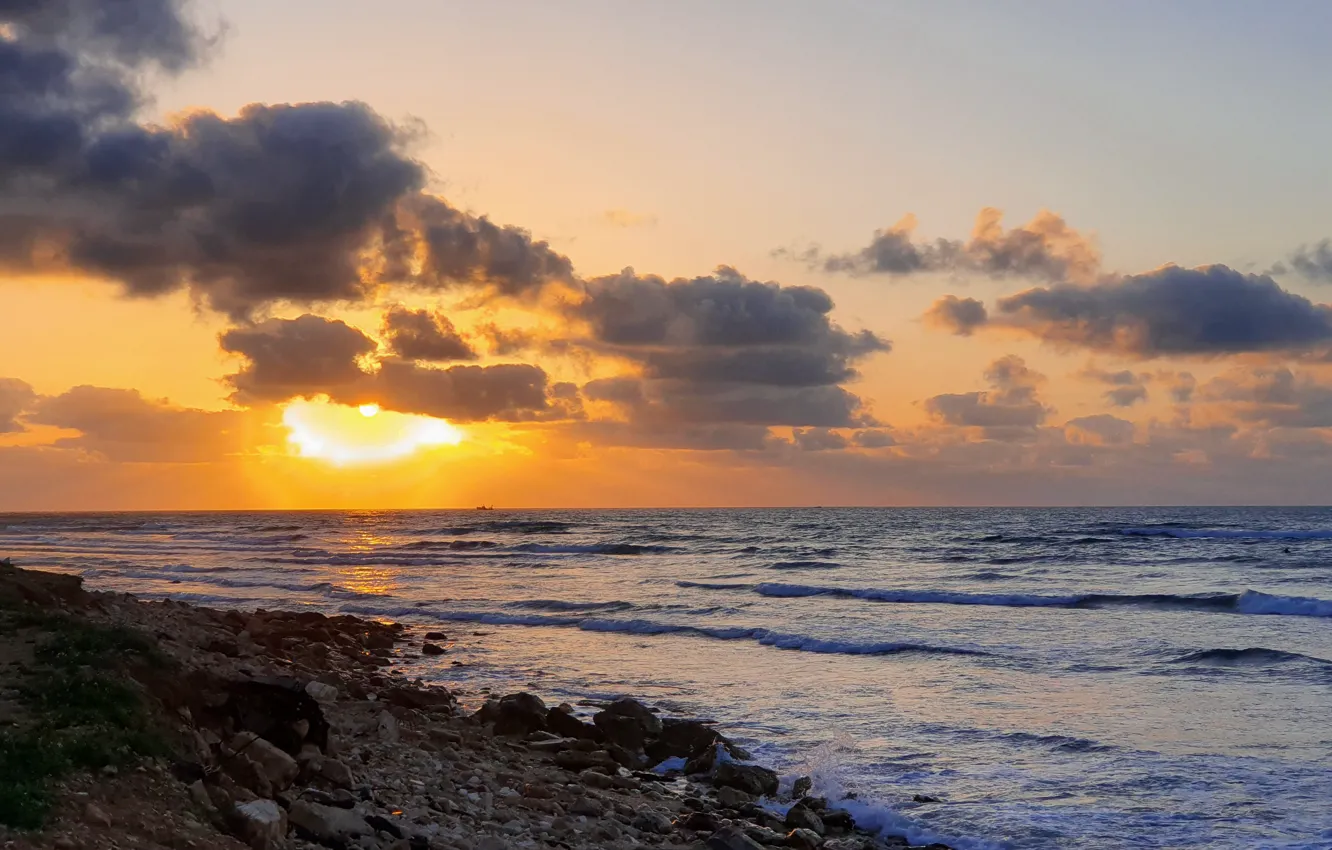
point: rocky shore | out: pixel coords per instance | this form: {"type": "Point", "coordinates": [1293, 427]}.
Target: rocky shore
{"type": "Point", "coordinates": [198, 728]}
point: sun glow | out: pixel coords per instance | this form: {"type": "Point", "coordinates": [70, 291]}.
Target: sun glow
{"type": "Point", "coordinates": [349, 435]}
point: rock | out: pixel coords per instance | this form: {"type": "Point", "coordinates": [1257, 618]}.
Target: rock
{"type": "Point", "coordinates": [801, 816]}
{"type": "Point", "coordinates": [699, 822]}
{"type": "Point", "coordinates": [837, 820]}
{"type": "Point", "coordinates": [277, 767]}
{"type": "Point", "coordinates": [326, 694]}
{"type": "Point", "coordinates": [94, 815]}
{"type": "Point", "coordinates": [432, 649]}
{"type": "Point", "coordinates": [733, 798]}
{"type": "Point", "coordinates": [519, 714]}
{"type": "Point", "coordinates": [436, 636]}
{"type": "Point", "coordinates": [587, 806]}
{"type": "Point", "coordinates": [651, 820]}
{"type": "Point", "coordinates": [262, 824]}
{"type": "Point", "coordinates": [379, 823]}
{"type": "Point", "coordinates": [623, 731]}
{"type": "Point", "coordinates": [925, 798]}
{"type": "Point", "coordinates": [388, 728]}
{"type": "Point", "coordinates": [763, 835]}
{"type": "Point", "coordinates": [562, 722]}
{"type": "Point", "coordinates": [731, 838]}
{"type": "Point", "coordinates": [595, 779]}
{"type": "Point", "coordinates": [801, 787]}
{"type": "Point", "coordinates": [270, 708]}
{"type": "Point", "coordinates": [336, 772]}
{"type": "Point", "coordinates": [64, 842]}
{"type": "Point", "coordinates": [577, 760]}
{"type": "Point", "coordinates": [325, 824]}
{"type": "Point", "coordinates": [684, 739]}
{"type": "Point", "coordinates": [804, 839]}
{"type": "Point", "coordinates": [749, 778]}
{"type": "Point", "coordinates": [650, 722]}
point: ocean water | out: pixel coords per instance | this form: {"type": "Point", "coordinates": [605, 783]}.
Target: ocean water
{"type": "Point", "coordinates": [1099, 678]}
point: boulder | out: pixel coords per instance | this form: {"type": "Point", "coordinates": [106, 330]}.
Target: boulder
{"type": "Point", "coordinates": [436, 636]}
{"type": "Point", "coordinates": [270, 708]}
{"type": "Point", "coordinates": [652, 821]}
{"type": "Point", "coordinates": [801, 816]}
{"type": "Point", "coordinates": [321, 692]}
{"type": "Point", "coordinates": [388, 728]}
{"type": "Point", "coordinates": [561, 721]}
{"type": "Point", "coordinates": [801, 787]}
{"type": "Point", "coordinates": [804, 839]}
{"type": "Point", "coordinates": [837, 820]}
{"type": "Point", "coordinates": [621, 730]}
{"type": "Point", "coordinates": [432, 649]}
{"type": "Point", "coordinates": [732, 838]}
{"type": "Point", "coordinates": [749, 778]}
{"type": "Point", "coordinates": [325, 824]}
{"type": "Point", "coordinates": [336, 772]}
{"type": "Point", "coordinates": [262, 824]}
{"type": "Point", "coordinates": [626, 707]}
{"type": "Point", "coordinates": [733, 798]}
{"type": "Point", "coordinates": [519, 714]}
{"type": "Point", "coordinates": [278, 768]}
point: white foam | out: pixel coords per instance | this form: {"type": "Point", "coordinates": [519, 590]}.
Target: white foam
{"type": "Point", "coordinates": [1254, 602]}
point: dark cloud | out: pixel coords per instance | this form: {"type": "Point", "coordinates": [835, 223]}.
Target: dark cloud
{"type": "Point", "coordinates": [1313, 261]}
{"type": "Point", "coordinates": [122, 425]}
{"type": "Point", "coordinates": [1009, 410]}
{"type": "Point", "coordinates": [301, 203]}
{"type": "Point", "coordinates": [723, 348]}
{"type": "Point", "coordinates": [661, 435]}
{"type": "Point", "coordinates": [1273, 397]}
{"type": "Point", "coordinates": [423, 335]}
{"type": "Point", "coordinates": [15, 398]}
{"type": "Point", "coordinates": [458, 249]}
{"type": "Point", "coordinates": [1182, 385]}
{"type": "Point", "coordinates": [1046, 247]}
{"type": "Point", "coordinates": [1126, 386]}
{"type": "Point", "coordinates": [1100, 430]}
{"type": "Point", "coordinates": [875, 439]}
{"type": "Point", "coordinates": [506, 342]}
{"type": "Point", "coordinates": [960, 316]}
{"type": "Point", "coordinates": [306, 356]}
{"type": "Point", "coordinates": [1207, 311]}
{"type": "Point", "coordinates": [819, 440]}
{"type": "Point", "coordinates": [507, 392]}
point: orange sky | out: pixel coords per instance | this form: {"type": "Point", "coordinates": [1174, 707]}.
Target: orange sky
{"type": "Point", "coordinates": [193, 265]}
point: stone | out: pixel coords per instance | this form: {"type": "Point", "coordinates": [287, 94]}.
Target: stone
{"type": "Point", "coordinates": [732, 838]}
{"type": "Point", "coordinates": [562, 722]}
{"type": "Point", "coordinates": [804, 839]}
{"type": "Point", "coordinates": [432, 649]}
{"type": "Point", "coordinates": [801, 816]}
{"type": "Point", "coordinates": [683, 739]}
{"type": "Point", "coordinates": [321, 692]}
{"type": "Point", "coordinates": [763, 835]}
{"type": "Point", "coordinates": [587, 806]}
{"type": "Point", "coordinates": [277, 767]}
{"type": "Point", "coordinates": [327, 824]}
{"type": "Point", "coordinates": [270, 708]}
{"type": "Point", "coordinates": [262, 824]}
{"type": "Point", "coordinates": [389, 732]}
{"type": "Point", "coordinates": [650, 722]}
{"type": "Point", "coordinates": [620, 730]}
{"type": "Point", "coordinates": [336, 772]}
{"type": "Point", "coordinates": [577, 760]}
{"type": "Point", "coordinates": [801, 787]}
{"type": "Point", "coordinates": [838, 820]}
{"type": "Point", "coordinates": [436, 636]}
{"type": "Point", "coordinates": [519, 714]}
{"type": "Point", "coordinates": [925, 798]}
{"type": "Point", "coordinates": [651, 820]}
{"type": "Point", "coordinates": [596, 779]}
{"type": "Point", "coordinates": [733, 798]}
{"type": "Point", "coordinates": [749, 778]}
{"type": "Point", "coordinates": [94, 815]}
{"type": "Point", "coordinates": [699, 821]}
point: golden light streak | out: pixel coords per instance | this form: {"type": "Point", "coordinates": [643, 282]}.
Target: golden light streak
{"type": "Point", "coordinates": [345, 435]}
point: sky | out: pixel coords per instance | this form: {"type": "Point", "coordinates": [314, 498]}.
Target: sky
{"type": "Point", "coordinates": [592, 254]}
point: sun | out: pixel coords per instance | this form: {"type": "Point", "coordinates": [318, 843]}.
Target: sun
{"type": "Point", "coordinates": [344, 435]}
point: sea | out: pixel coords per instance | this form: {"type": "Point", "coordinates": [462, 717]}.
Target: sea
{"type": "Point", "coordinates": [989, 678]}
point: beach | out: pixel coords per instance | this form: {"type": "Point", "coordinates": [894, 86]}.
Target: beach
{"type": "Point", "coordinates": [280, 729]}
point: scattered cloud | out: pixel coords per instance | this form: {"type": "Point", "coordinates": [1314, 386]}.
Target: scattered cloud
{"type": "Point", "coordinates": [424, 335]}
{"type": "Point", "coordinates": [15, 398]}
{"type": "Point", "coordinates": [1045, 247]}
{"type": "Point", "coordinates": [1126, 387]}
{"type": "Point", "coordinates": [1009, 410]}
{"type": "Point", "coordinates": [960, 316]}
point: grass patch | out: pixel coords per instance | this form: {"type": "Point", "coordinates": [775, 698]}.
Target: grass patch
{"type": "Point", "coordinates": [86, 711]}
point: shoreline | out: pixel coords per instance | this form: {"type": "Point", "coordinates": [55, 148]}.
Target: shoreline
{"type": "Point", "coordinates": [296, 730]}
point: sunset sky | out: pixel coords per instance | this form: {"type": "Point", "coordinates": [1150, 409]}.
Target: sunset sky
{"type": "Point", "coordinates": [327, 253]}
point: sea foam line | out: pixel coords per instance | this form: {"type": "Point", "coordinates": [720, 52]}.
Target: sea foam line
{"type": "Point", "coordinates": [766, 637]}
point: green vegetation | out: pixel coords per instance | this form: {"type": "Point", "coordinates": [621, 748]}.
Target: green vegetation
{"type": "Point", "coordinates": [84, 710]}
